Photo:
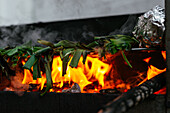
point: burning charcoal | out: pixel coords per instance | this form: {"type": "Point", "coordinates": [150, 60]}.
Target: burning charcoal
{"type": "Point", "coordinates": [74, 89]}
{"type": "Point", "coordinates": [110, 91]}
{"type": "Point", "coordinates": [150, 28]}
{"type": "Point", "coordinates": [8, 89]}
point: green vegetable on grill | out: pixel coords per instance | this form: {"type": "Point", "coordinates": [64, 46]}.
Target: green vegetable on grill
{"type": "Point", "coordinates": [67, 50]}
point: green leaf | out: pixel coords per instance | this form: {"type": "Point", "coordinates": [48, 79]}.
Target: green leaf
{"type": "Point", "coordinates": [82, 46]}
{"type": "Point", "coordinates": [66, 44]}
{"type": "Point", "coordinates": [61, 54]}
{"type": "Point", "coordinates": [84, 56]}
{"type": "Point", "coordinates": [99, 38]}
{"type": "Point", "coordinates": [44, 42]}
{"type": "Point", "coordinates": [14, 59]}
{"type": "Point", "coordinates": [64, 64]}
{"type": "Point", "coordinates": [5, 52]}
{"type": "Point", "coordinates": [65, 59]}
{"type": "Point", "coordinates": [125, 58]}
{"type": "Point", "coordinates": [36, 70]}
{"type": "Point", "coordinates": [29, 52]}
{"type": "Point", "coordinates": [32, 60]}
{"type": "Point", "coordinates": [93, 44]}
{"type": "Point", "coordinates": [27, 44]}
{"type": "Point", "coordinates": [76, 57]}
{"type": "Point", "coordinates": [12, 51]}
{"type": "Point", "coordinates": [14, 64]}
{"type": "Point", "coordinates": [43, 50]}
{"type": "Point", "coordinates": [20, 54]}
{"type": "Point", "coordinates": [48, 75]}
{"type": "Point", "coordinates": [114, 51]}
{"type": "Point", "coordinates": [120, 39]}
{"type": "Point", "coordinates": [67, 52]}
{"type": "Point", "coordinates": [34, 49]}
{"type": "Point", "coordinates": [21, 48]}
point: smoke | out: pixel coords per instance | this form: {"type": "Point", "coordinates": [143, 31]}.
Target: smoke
{"type": "Point", "coordinates": [127, 27]}
{"type": "Point", "coordinates": [17, 35]}
{"type": "Point", "coordinates": [78, 31]}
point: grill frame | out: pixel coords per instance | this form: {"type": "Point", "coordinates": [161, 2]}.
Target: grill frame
{"type": "Point", "coordinates": [31, 102]}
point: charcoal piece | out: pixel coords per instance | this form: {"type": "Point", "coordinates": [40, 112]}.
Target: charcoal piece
{"type": "Point", "coordinates": [74, 89]}
{"type": "Point", "coordinates": [134, 96]}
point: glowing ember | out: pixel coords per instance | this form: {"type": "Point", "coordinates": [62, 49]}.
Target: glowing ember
{"type": "Point", "coordinates": [147, 59]}
{"type": "Point", "coordinates": [164, 54]}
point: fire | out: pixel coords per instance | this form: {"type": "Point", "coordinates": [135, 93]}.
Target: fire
{"type": "Point", "coordinates": [91, 75]}
{"type": "Point", "coordinates": [147, 59]}
{"type": "Point", "coordinates": [153, 71]}
{"type": "Point", "coordinates": [164, 54]}
{"type": "Point", "coordinates": [28, 78]}
{"type": "Point", "coordinates": [93, 70]}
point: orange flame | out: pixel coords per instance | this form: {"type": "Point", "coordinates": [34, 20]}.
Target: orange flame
{"type": "Point", "coordinates": [93, 68]}
{"type": "Point", "coordinates": [28, 78]}
{"type": "Point", "coordinates": [147, 59]}
{"type": "Point", "coordinates": [164, 54]}
{"type": "Point", "coordinates": [85, 74]}
{"type": "Point", "coordinates": [153, 71]}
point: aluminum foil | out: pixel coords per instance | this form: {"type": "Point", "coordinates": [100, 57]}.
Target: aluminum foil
{"type": "Point", "coordinates": [150, 28]}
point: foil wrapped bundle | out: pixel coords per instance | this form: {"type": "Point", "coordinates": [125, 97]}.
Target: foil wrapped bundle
{"type": "Point", "coordinates": [150, 28]}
